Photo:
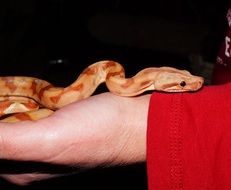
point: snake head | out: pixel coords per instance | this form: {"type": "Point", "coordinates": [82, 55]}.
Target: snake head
{"type": "Point", "coordinates": [174, 80]}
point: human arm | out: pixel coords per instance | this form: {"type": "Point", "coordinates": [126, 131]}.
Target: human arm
{"type": "Point", "coordinates": [188, 137]}
{"type": "Point", "coordinates": [102, 130]}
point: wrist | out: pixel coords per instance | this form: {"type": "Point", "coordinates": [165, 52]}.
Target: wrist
{"type": "Point", "coordinates": [131, 138]}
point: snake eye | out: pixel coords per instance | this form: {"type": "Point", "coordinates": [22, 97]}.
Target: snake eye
{"type": "Point", "coordinates": [182, 83]}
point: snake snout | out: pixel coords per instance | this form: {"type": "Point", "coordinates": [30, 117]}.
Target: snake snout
{"type": "Point", "coordinates": [198, 83]}
{"type": "Point", "coordinates": [201, 82]}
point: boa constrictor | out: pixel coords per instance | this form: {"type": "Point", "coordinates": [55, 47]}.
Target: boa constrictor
{"type": "Point", "coordinates": [27, 98]}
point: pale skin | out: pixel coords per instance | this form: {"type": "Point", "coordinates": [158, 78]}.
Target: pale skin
{"type": "Point", "coordinates": [104, 129]}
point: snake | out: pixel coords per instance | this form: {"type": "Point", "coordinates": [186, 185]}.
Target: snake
{"type": "Point", "coordinates": [27, 98]}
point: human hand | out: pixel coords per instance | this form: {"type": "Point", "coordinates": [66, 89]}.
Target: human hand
{"type": "Point", "coordinates": [102, 130]}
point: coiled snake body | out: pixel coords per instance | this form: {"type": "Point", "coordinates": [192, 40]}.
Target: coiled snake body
{"type": "Point", "coordinates": [25, 98]}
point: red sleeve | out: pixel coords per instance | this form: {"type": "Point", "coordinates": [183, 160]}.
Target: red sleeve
{"type": "Point", "coordinates": [189, 140]}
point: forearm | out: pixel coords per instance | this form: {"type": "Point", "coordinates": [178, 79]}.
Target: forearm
{"type": "Point", "coordinates": [122, 135]}
{"type": "Point", "coordinates": [101, 129]}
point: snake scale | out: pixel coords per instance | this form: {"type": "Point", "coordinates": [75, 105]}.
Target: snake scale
{"type": "Point", "coordinates": [28, 98]}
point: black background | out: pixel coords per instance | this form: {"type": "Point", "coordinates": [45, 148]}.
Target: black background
{"type": "Point", "coordinates": [56, 39]}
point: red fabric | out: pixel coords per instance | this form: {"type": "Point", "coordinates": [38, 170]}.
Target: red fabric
{"type": "Point", "coordinates": [189, 140]}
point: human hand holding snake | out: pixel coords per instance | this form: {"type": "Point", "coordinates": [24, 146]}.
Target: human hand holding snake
{"type": "Point", "coordinates": [27, 98]}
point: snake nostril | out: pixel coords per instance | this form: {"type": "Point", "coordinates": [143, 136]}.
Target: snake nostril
{"type": "Point", "coordinates": [200, 83]}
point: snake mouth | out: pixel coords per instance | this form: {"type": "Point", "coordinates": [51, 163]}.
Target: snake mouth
{"type": "Point", "coordinates": [177, 90]}
{"type": "Point", "coordinates": [188, 88]}
{"type": "Point", "coordinates": [183, 89]}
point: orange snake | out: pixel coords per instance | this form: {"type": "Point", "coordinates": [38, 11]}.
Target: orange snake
{"type": "Point", "coordinates": [27, 98]}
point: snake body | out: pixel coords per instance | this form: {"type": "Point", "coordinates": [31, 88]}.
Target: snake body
{"type": "Point", "coordinates": [25, 96]}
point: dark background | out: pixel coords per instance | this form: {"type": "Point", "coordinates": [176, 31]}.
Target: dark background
{"type": "Point", "coordinates": [56, 39]}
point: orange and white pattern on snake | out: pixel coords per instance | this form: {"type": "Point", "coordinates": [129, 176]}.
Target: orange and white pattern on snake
{"type": "Point", "coordinates": [21, 94]}
{"type": "Point", "coordinates": [9, 105]}
{"type": "Point", "coordinates": [22, 87]}
{"type": "Point", "coordinates": [84, 86]}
